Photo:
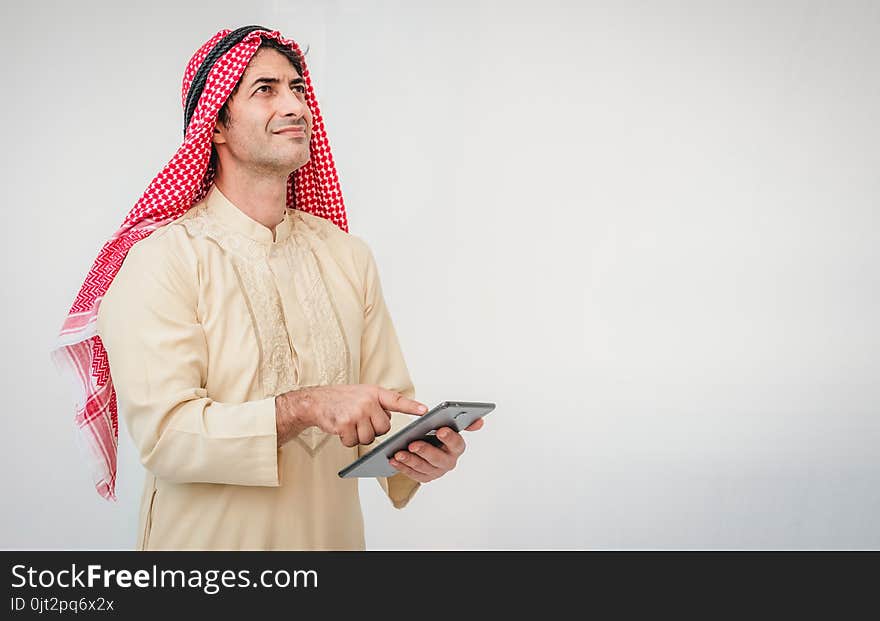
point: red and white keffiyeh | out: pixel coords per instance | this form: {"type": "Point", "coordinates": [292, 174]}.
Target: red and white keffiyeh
{"type": "Point", "coordinates": [78, 351]}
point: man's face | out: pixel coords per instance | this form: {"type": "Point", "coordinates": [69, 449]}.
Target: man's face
{"type": "Point", "coordinates": [269, 124]}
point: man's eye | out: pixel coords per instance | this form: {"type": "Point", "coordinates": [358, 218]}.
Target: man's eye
{"type": "Point", "coordinates": [300, 88]}
{"type": "Point", "coordinates": [266, 86]}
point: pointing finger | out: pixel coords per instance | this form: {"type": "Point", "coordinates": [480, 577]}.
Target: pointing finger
{"type": "Point", "coordinates": [396, 402]}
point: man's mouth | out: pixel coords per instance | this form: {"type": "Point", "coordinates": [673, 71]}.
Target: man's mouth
{"type": "Point", "coordinates": [293, 130]}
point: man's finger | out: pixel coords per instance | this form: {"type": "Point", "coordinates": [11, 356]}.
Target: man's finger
{"type": "Point", "coordinates": [365, 432]}
{"type": "Point", "coordinates": [404, 469]}
{"type": "Point", "coordinates": [477, 424]}
{"type": "Point", "coordinates": [418, 464]}
{"type": "Point", "coordinates": [381, 421]}
{"type": "Point", "coordinates": [452, 440]}
{"type": "Point", "coordinates": [349, 437]}
{"type": "Point", "coordinates": [437, 457]}
{"type": "Point", "coordinates": [396, 402]}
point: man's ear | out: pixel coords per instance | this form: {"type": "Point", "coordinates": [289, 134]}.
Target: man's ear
{"type": "Point", "coordinates": [218, 137]}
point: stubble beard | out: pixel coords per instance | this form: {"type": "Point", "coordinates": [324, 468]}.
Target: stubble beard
{"type": "Point", "coordinates": [283, 164]}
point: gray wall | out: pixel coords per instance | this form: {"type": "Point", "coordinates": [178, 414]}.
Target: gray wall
{"type": "Point", "coordinates": [648, 231]}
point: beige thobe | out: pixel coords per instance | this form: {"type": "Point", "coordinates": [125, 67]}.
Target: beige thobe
{"type": "Point", "coordinates": [207, 321]}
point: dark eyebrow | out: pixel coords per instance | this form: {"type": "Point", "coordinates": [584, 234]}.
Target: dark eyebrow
{"type": "Point", "coordinates": [268, 80]}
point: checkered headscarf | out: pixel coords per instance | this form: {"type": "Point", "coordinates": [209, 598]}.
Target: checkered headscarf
{"type": "Point", "coordinates": [210, 77]}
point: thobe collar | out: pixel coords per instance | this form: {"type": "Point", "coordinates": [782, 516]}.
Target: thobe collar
{"type": "Point", "coordinates": [230, 216]}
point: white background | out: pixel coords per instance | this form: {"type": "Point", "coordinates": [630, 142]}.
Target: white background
{"type": "Point", "coordinates": [647, 230]}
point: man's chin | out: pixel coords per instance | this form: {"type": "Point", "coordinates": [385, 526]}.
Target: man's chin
{"type": "Point", "coordinates": [292, 164]}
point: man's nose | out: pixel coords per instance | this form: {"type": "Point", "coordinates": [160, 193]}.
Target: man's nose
{"type": "Point", "coordinates": [292, 105]}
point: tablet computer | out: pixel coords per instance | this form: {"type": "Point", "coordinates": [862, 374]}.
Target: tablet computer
{"type": "Point", "coordinates": [453, 414]}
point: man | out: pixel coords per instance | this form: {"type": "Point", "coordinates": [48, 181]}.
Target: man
{"type": "Point", "coordinates": [251, 351]}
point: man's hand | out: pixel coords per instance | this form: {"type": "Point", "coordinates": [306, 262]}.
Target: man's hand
{"type": "Point", "coordinates": [425, 462]}
{"type": "Point", "coordinates": [357, 413]}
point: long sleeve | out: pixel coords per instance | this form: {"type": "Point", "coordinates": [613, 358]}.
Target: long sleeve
{"type": "Point", "coordinates": [157, 351]}
{"type": "Point", "coordinates": [382, 364]}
